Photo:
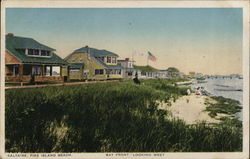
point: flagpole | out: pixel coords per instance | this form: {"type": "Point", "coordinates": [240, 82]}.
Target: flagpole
{"type": "Point", "coordinates": [132, 56]}
{"type": "Point", "coordinates": [147, 61]}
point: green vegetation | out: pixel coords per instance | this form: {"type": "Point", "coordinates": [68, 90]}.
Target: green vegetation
{"type": "Point", "coordinates": [108, 117]}
{"type": "Point", "coordinates": [173, 72]}
{"type": "Point", "coordinates": [223, 106]}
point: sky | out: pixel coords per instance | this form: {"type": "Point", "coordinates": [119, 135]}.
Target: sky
{"type": "Point", "coordinates": [204, 40]}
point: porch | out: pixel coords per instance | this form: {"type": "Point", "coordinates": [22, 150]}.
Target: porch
{"type": "Point", "coordinates": [33, 73]}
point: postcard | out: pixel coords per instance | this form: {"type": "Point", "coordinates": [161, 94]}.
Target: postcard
{"type": "Point", "coordinates": [124, 79]}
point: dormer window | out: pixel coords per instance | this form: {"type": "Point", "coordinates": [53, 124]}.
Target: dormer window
{"type": "Point", "coordinates": [45, 53]}
{"type": "Point", "coordinates": [102, 58]}
{"type": "Point", "coordinates": [31, 52]}
{"type": "Point", "coordinates": [36, 52]}
{"type": "Point", "coordinates": [113, 60]}
{"type": "Point", "coordinates": [108, 59]}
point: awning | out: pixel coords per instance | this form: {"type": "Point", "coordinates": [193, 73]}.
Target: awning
{"type": "Point", "coordinates": [76, 65]}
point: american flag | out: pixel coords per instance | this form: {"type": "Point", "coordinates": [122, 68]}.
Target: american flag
{"type": "Point", "coordinates": [151, 56]}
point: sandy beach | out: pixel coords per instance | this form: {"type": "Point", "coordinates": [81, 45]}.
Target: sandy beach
{"type": "Point", "coordinates": [191, 109]}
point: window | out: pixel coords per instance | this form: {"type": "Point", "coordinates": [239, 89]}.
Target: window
{"type": "Point", "coordinates": [56, 71]}
{"type": "Point", "coordinates": [86, 72]}
{"type": "Point", "coordinates": [45, 53]}
{"type": "Point", "coordinates": [99, 72]}
{"type": "Point", "coordinates": [30, 52]}
{"type": "Point", "coordinates": [112, 72]}
{"type": "Point", "coordinates": [102, 58]}
{"type": "Point", "coordinates": [108, 72]}
{"type": "Point", "coordinates": [47, 71]}
{"type": "Point", "coordinates": [36, 52]}
{"type": "Point", "coordinates": [36, 70]}
{"type": "Point", "coordinates": [113, 60]}
{"type": "Point", "coordinates": [74, 71]}
{"type": "Point", "coordinates": [118, 72]}
{"type": "Point", "coordinates": [108, 59]}
{"type": "Point", "coordinates": [143, 73]}
{"type": "Point", "coordinates": [129, 65]}
{"type": "Point", "coordinates": [15, 70]}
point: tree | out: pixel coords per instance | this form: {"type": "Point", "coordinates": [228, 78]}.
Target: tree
{"type": "Point", "coordinates": [173, 72]}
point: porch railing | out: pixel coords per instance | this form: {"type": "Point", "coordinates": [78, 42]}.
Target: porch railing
{"type": "Point", "coordinates": [48, 78]}
{"type": "Point", "coordinates": [36, 78]}
{"type": "Point", "coordinates": [17, 78]}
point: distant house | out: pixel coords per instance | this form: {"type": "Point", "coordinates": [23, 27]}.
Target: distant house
{"type": "Point", "coordinates": [163, 74]}
{"type": "Point", "coordinates": [128, 68]}
{"type": "Point", "coordinates": [94, 64]}
{"type": "Point", "coordinates": [146, 71]}
{"type": "Point", "coordinates": [27, 60]}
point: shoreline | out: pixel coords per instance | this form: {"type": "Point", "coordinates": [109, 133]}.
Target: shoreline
{"type": "Point", "coordinates": [209, 108]}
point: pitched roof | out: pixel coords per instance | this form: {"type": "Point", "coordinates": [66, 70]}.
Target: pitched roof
{"type": "Point", "coordinates": [14, 42]}
{"type": "Point", "coordinates": [146, 68]}
{"type": "Point", "coordinates": [95, 52]}
{"type": "Point", "coordinates": [98, 53]}
{"type": "Point", "coordinates": [26, 43]}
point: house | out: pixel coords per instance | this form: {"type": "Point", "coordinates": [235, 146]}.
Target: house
{"type": "Point", "coordinates": [163, 74]}
{"type": "Point", "coordinates": [27, 60]}
{"type": "Point", "coordinates": [93, 64]}
{"type": "Point", "coordinates": [128, 68]}
{"type": "Point", "coordinates": [146, 72]}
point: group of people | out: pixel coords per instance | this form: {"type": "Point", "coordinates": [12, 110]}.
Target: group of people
{"type": "Point", "coordinates": [201, 91]}
{"type": "Point", "coordinates": [198, 91]}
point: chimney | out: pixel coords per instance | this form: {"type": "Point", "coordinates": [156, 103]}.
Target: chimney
{"type": "Point", "coordinates": [10, 34]}
{"type": "Point", "coordinates": [126, 59]}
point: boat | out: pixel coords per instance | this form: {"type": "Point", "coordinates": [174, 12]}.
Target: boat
{"type": "Point", "coordinates": [226, 88]}
{"type": "Point", "coordinates": [219, 85]}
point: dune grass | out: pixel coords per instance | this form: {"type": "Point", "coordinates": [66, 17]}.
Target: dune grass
{"type": "Point", "coordinates": [223, 106]}
{"type": "Point", "coordinates": [108, 117]}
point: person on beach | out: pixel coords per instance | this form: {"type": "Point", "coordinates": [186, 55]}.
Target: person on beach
{"type": "Point", "coordinates": [188, 92]}
{"type": "Point", "coordinates": [198, 91]}
{"type": "Point", "coordinates": [202, 90]}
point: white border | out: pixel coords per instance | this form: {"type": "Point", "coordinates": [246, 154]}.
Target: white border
{"type": "Point", "coordinates": [140, 4]}
{"type": "Point", "coordinates": [2, 83]}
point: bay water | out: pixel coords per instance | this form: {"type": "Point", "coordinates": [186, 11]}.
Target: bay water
{"type": "Point", "coordinates": [226, 87]}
